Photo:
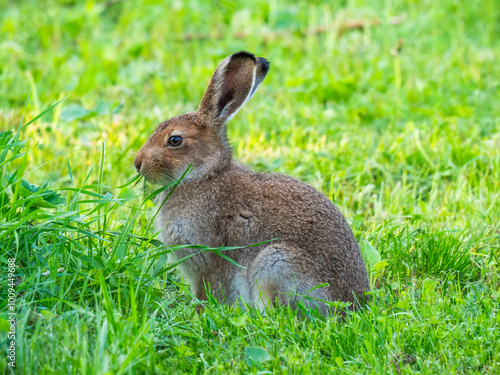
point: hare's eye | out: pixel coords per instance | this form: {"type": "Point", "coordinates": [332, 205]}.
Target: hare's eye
{"type": "Point", "coordinates": [175, 141]}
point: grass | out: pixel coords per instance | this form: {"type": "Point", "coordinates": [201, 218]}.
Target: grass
{"type": "Point", "coordinates": [398, 124]}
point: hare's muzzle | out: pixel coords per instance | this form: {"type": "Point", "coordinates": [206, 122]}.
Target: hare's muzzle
{"type": "Point", "coordinates": [138, 163]}
{"type": "Point", "coordinates": [147, 166]}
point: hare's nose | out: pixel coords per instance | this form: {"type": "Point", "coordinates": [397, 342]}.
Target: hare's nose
{"type": "Point", "coordinates": [137, 164]}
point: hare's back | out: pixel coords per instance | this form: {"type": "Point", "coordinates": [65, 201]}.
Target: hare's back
{"type": "Point", "coordinates": [302, 213]}
{"type": "Point", "coordinates": [280, 206]}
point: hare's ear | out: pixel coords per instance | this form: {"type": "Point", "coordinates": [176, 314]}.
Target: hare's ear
{"type": "Point", "coordinates": [234, 82]}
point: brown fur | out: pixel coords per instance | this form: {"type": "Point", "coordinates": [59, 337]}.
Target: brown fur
{"type": "Point", "coordinates": [222, 203]}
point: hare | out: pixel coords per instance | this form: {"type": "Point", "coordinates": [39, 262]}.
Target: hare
{"type": "Point", "coordinates": [223, 203]}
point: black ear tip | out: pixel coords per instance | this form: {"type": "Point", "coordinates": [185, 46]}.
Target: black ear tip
{"type": "Point", "coordinates": [263, 64]}
{"type": "Point", "coordinates": [244, 54]}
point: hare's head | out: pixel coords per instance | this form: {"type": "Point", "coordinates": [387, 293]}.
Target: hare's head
{"type": "Point", "coordinates": [199, 138]}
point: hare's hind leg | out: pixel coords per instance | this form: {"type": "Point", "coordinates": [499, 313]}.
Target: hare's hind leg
{"type": "Point", "coordinates": [280, 275]}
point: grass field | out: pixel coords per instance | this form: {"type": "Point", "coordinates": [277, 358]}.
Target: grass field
{"type": "Point", "coordinates": [398, 122]}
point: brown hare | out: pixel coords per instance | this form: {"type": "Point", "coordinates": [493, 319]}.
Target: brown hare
{"type": "Point", "coordinates": [223, 203]}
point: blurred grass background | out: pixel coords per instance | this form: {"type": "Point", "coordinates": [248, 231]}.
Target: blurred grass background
{"type": "Point", "coordinates": [391, 108]}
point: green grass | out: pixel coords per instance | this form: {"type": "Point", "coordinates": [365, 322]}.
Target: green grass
{"type": "Point", "coordinates": [398, 124]}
